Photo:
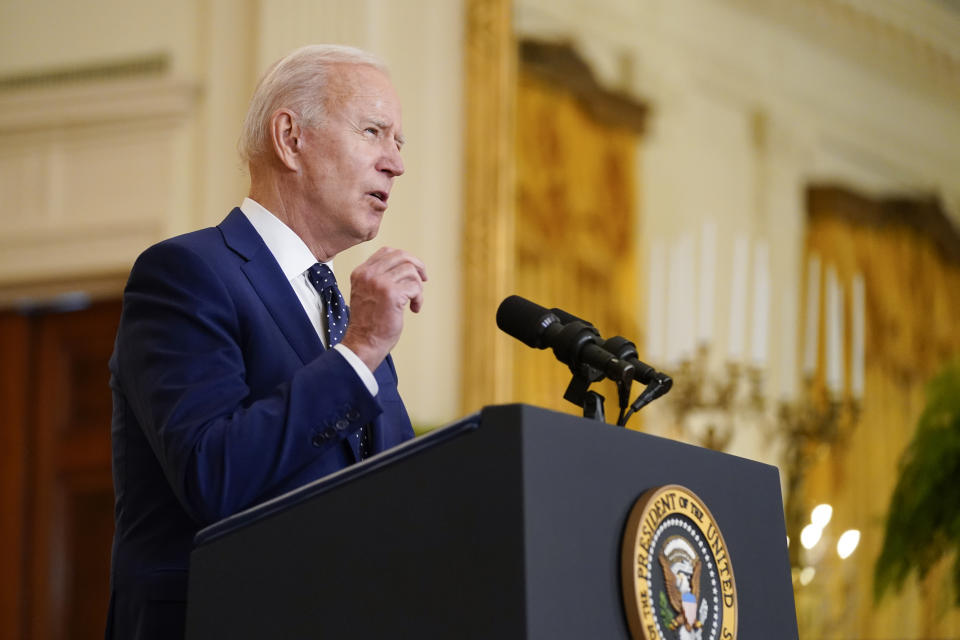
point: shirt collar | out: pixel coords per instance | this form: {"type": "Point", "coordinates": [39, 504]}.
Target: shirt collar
{"type": "Point", "coordinates": [287, 247]}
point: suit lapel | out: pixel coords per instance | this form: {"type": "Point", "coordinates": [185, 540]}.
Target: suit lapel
{"type": "Point", "coordinates": [267, 279]}
{"type": "Point", "coordinates": [271, 285]}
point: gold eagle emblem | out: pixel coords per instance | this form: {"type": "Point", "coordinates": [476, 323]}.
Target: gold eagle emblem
{"type": "Point", "coordinates": [681, 577]}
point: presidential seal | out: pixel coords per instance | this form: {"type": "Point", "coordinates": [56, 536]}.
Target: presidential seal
{"type": "Point", "coordinates": [676, 572]}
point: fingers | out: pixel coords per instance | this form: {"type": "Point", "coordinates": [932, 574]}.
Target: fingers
{"type": "Point", "coordinates": [381, 288]}
{"type": "Point", "coordinates": [387, 259]}
{"type": "Point", "coordinates": [413, 290]}
{"type": "Point", "coordinates": [409, 283]}
{"type": "Point", "coordinates": [399, 274]}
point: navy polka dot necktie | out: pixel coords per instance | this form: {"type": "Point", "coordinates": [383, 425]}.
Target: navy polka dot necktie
{"type": "Point", "coordinates": [338, 315]}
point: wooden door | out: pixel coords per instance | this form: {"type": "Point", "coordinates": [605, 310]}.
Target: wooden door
{"type": "Point", "coordinates": [14, 371]}
{"type": "Point", "coordinates": [57, 486]}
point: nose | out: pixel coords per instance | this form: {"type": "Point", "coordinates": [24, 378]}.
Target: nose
{"type": "Point", "coordinates": [391, 162]}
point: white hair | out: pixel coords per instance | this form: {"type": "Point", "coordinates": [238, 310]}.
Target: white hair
{"type": "Point", "coordinates": [297, 82]}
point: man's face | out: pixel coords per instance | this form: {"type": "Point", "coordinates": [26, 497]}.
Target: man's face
{"type": "Point", "coordinates": [351, 158]}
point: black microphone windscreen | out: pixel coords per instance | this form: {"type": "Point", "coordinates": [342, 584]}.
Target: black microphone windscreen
{"type": "Point", "coordinates": [566, 317]}
{"type": "Point", "coordinates": [524, 320]}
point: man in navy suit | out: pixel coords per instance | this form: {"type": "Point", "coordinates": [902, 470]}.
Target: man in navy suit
{"type": "Point", "coordinates": [233, 378]}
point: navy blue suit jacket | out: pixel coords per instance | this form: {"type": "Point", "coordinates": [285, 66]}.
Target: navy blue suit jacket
{"type": "Point", "coordinates": [223, 397]}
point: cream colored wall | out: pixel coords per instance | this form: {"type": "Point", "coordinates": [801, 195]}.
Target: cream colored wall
{"type": "Point", "coordinates": [39, 35]}
{"type": "Point", "coordinates": [98, 169]}
{"type": "Point", "coordinates": [140, 159]}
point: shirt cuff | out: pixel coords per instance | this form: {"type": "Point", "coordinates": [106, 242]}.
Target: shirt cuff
{"type": "Point", "coordinates": [362, 370]}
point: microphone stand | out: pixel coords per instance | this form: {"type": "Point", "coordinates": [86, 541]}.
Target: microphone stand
{"type": "Point", "coordinates": [571, 346]}
{"type": "Point", "coordinates": [579, 394]}
{"type": "Point", "coordinates": [578, 345]}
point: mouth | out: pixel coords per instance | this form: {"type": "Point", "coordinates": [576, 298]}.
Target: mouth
{"type": "Point", "coordinates": [380, 195]}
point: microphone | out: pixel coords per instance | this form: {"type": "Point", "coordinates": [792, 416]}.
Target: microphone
{"type": "Point", "coordinates": [621, 348]}
{"type": "Point", "coordinates": [575, 343]}
{"type": "Point", "coordinates": [657, 383]}
{"type": "Point", "coordinates": [626, 350]}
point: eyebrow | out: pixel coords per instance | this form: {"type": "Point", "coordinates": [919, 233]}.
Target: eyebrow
{"type": "Point", "coordinates": [383, 125]}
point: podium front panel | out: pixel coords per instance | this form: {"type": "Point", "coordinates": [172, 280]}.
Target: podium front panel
{"type": "Point", "coordinates": [504, 526]}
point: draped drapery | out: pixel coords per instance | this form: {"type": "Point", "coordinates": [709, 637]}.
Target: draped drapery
{"type": "Point", "coordinates": [576, 237]}
{"type": "Point", "coordinates": [907, 253]}
{"type": "Point", "coordinates": [551, 215]}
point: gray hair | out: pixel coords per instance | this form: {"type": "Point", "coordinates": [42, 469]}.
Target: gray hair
{"type": "Point", "coordinates": [298, 82]}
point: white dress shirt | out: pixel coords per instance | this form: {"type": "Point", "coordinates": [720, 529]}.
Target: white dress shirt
{"type": "Point", "coordinates": [294, 259]}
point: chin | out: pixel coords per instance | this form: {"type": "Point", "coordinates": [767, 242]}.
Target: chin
{"type": "Point", "coordinates": [370, 233]}
{"type": "Point", "coordinates": [373, 228]}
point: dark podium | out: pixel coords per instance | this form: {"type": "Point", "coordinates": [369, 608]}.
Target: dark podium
{"type": "Point", "coordinates": [505, 525]}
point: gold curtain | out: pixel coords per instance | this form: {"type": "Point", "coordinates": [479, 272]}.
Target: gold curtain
{"type": "Point", "coordinates": [576, 238]}
{"type": "Point", "coordinates": [550, 206]}
{"type": "Point", "coordinates": [907, 254]}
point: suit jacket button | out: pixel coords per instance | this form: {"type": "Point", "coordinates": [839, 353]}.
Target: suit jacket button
{"type": "Point", "coordinates": [342, 424]}
{"type": "Point", "coordinates": [317, 440]}
{"type": "Point", "coordinates": [353, 414]}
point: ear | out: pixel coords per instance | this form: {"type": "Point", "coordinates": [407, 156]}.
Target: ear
{"type": "Point", "coordinates": [286, 137]}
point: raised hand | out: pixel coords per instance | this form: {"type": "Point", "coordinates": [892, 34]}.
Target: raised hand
{"type": "Point", "coordinates": [380, 290]}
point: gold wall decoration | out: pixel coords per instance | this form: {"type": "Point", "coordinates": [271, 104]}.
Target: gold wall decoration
{"type": "Point", "coordinates": [489, 208]}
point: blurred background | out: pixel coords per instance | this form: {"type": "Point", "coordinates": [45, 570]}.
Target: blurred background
{"type": "Point", "coordinates": [763, 195]}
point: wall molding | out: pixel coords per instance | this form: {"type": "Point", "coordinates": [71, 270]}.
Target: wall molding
{"type": "Point", "coordinates": [102, 101]}
{"type": "Point", "coordinates": [150, 65]}
{"type": "Point", "coordinates": [90, 172]}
